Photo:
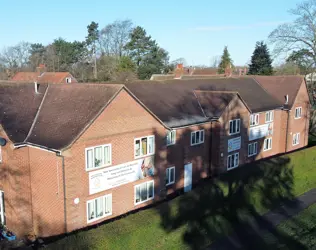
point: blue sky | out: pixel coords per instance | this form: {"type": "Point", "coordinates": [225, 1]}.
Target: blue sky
{"type": "Point", "coordinates": [194, 30]}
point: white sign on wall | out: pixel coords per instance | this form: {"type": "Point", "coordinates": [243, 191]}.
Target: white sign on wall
{"type": "Point", "coordinates": [118, 175]}
{"type": "Point", "coordinates": [234, 144]}
{"type": "Point", "coordinates": [260, 131]}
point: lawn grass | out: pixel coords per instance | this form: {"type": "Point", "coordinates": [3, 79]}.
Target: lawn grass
{"type": "Point", "coordinates": [301, 229]}
{"type": "Point", "coordinates": [195, 219]}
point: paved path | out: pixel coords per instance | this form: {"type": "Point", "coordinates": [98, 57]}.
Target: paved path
{"type": "Point", "coordinates": [268, 221]}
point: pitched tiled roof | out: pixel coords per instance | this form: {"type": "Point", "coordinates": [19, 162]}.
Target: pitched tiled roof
{"type": "Point", "coordinates": [280, 86]}
{"type": "Point", "coordinates": [64, 113]}
{"type": "Point", "coordinates": [176, 105]}
{"type": "Point", "coordinates": [18, 108]}
{"type": "Point", "coordinates": [25, 76]}
{"type": "Point", "coordinates": [52, 77]}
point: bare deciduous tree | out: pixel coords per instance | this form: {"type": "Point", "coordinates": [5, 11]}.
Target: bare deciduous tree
{"type": "Point", "coordinates": [114, 36]}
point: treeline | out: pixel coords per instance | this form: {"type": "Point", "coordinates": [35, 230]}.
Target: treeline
{"type": "Point", "coordinates": [117, 52]}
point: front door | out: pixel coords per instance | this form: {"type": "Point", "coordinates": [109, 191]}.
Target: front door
{"type": "Point", "coordinates": [2, 213]}
{"type": "Point", "coordinates": [187, 177]}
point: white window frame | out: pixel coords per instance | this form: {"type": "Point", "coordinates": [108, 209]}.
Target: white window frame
{"type": "Point", "coordinates": [270, 114]}
{"type": "Point", "coordinates": [148, 199]}
{"type": "Point", "coordinates": [173, 137]}
{"type": "Point", "coordinates": [103, 198]}
{"type": "Point", "coordinates": [168, 171]}
{"type": "Point", "coordinates": [68, 79]}
{"type": "Point", "coordinates": [140, 139]}
{"type": "Point", "coordinates": [299, 114]}
{"type": "Point", "coordinates": [254, 146]}
{"type": "Point", "coordinates": [254, 120]}
{"type": "Point", "coordinates": [103, 164]}
{"type": "Point", "coordinates": [201, 140]}
{"type": "Point", "coordinates": [237, 128]}
{"type": "Point", "coordinates": [269, 144]}
{"type": "Point", "coordinates": [296, 139]}
{"type": "Point", "coordinates": [234, 158]}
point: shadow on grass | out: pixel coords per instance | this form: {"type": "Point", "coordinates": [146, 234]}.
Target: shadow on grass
{"type": "Point", "coordinates": [232, 205]}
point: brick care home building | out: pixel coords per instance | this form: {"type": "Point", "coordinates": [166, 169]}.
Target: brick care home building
{"type": "Point", "coordinates": [76, 155]}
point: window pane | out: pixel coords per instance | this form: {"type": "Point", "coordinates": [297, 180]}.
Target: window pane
{"type": "Point", "coordinates": [193, 138]}
{"type": "Point", "coordinates": [202, 136]}
{"type": "Point", "coordinates": [168, 138]}
{"type": "Point", "coordinates": [97, 157]}
{"type": "Point", "coordinates": [238, 126]}
{"type": "Point", "coordinates": [89, 158]}
{"type": "Point", "coordinates": [144, 146]}
{"type": "Point", "coordinates": [91, 214]}
{"type": "Point", "coordinates": [172, 175]}
{"type": "Point", "coordinates": [137, 148]}
{"type": "Point", "coordinates": [150, 189]}
{"type": "Point", "coordinates": [107, 155]}
{"type": "Point", "coordinates": [143, 192]}
{"type": "Point", "coordinates": [108, 204]}
{"type": "Point", "coordinates": [151, 145]}
{"type": "Point", "coordinates": [230, 127]}
{"type": "Point", "coordinates": [99, 207]}
{"type": "Point", "coordinates": [173, 137]}
{"type": "Point", "coordinates": [137, 195]}
{"type": "Point", "coordinates": [167, 175]}
{"type": "Point", "coordinates": [255, 148]}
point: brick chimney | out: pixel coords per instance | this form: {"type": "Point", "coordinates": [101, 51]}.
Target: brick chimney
{"type": "Point", "coordinates": [41, 69]}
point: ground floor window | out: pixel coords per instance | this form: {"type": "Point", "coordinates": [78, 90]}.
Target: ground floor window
{"type": "Point", "coordinates": [99, 208]}
{"type": "Point", "coordinates": [170, 175]}
{"type": "Point", "coordinates": [232, 161]}
{"type": "Point", "coordinates": [144, 192]}
{"type": "Point", "coordinates": [296, 139]}
{"type": "Point", "coordinates": [267, 144]}
{"type": "Point", "coordinates": [252, 149]}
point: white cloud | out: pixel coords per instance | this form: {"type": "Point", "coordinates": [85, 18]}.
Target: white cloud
{"type": "Point", "coordinates": [239, 27]}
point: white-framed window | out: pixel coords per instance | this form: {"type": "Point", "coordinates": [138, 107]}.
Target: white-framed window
{"type": "Point", "coordinates": [68, 80]}
{"type": "Point", "coordinates": [197, 137]}
{"type": "Point", "coordinates": [267, 144]}
{"type": "Point", "coordinates": [98, 157]}
{"type": "Point", "coordinates": [170, 175]}
{"type": "Point", "coordinates": [269, 116]}
{"type": "Point", "coordinates": [171, 137]}
{"type": "Point", "coordinates": [298, 113]}
{"type": "Point", "coordinates": [99, 208]}
{"type": "Point", "coordinates": [232, 161]}
{"type": "Point", "coordinates": [234, 126]}
{"type": "Point", "coordinates": [254, 120]}
{"type": "Point", "coordinates": [296, 139]}
{"type": "Point", "coordinates": [252, 149]}
{"type": "Point", "coordinates": [144, 146]}
{"type": "Point", "coordinates": [144, 192]}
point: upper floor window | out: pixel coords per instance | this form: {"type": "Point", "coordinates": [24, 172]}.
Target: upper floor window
{"type": "Point", "coordinates": [232, 161]}
{"type": "Point", "coordinates": [99, 156]}
{"type": "Point", "coordinates": [269, 116]}
{"type": "Point", "coordinates": [170, 175]}
{"type": "Point", "coordinates": [197, 137]}
{"type": "Point", "coordinates": [144, 192]}
{"type": "Point", "coordinates": [298, 112]}
{"type": "Point", "coordinates": [99, 208]}
{"type": "Point", "coordinates": [234, 126]}
{"type": "Point", "coordinates": [252, 149]}
{"type": "Point", "coordinates": [144, 146]}
{"type": "Point", "coordinates": [68, 80]}
{"type": "Point", "coordinates": [267, 144]}
{"type": "Point", "coordinates": [296, 139]}
{"type": "Point", "coordinates": [254, 119]}
{"type": "Point", "coordinates": [171, 137]}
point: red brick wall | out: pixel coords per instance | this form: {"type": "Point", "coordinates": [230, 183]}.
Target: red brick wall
{"type": "Point", "coordinates": [299, 125]}
{"type": "Point", "coordinates": [47, 192]}
{"type": "Point", "coordinates": [15, 182]}
{"type": "Point", "coordinates": [121, 122]}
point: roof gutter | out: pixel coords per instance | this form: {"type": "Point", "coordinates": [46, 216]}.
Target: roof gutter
{"type": "Point", "coordinates": [32, 145]}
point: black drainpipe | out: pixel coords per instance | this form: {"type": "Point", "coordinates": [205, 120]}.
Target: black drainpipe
{"type": "Point", "coordinates": [64, 191]}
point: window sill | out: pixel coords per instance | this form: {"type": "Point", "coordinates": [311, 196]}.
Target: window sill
{"type": "Point", "coordinates": [297, 118]}
{"type": "Point", "coordinates": [170, 144]}
{"type": "Point", "coordinates": [295, 144]}
{"type": "Point", "coordinates": [228, 169]}
{"type": "Point", "coordinates": [142, 156]}
{"type": "Point", "coordinates": [197, 144]}
{"type": "Point", "coordinates": [251, 155]}
{"type": "Point", "coordinates": [141, 202]}
{"type": "Point", "coordinates": [264, 150]}
{"type": "Point", "coordinates": [234, 133]}
{"type": "Point", "coordinates": [268, 122]}
{"type": "Point", "coordinates": [169, 184]}
{"type": "Point", "coordinates": [100, 218]}
{"type": "Point", "coordinates": [92, 169]}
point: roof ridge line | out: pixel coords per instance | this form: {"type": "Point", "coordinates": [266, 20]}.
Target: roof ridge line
{"type": "Point", "coordinates": [37, 114]}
